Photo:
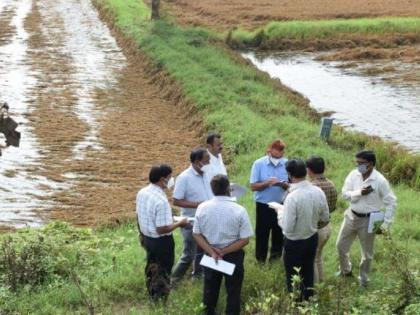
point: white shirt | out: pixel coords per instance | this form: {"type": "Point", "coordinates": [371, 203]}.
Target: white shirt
{"type": "Point", "coordinates": [381, 196]}
{"type": "Point", "coordinates": [216, 166]}
{"type": "Point", "coordinates": [191, 186]}
{"type": "Point", "coordinates": [153, 210]}
{"type": "Point", "coordinates": [222, 221]}
{"type": "Point", "coordinates": [304, 207]}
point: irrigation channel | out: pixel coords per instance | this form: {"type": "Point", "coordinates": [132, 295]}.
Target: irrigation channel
{"type": "Point", "coordinates": [385, 105]}
{"type": "Point", "coordinates": [87, 112]}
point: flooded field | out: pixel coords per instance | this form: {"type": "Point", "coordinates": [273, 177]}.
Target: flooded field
{"type": "Point", "coordinates": [386, 104]}
{"type": "Point", "coordinates": [86, 111]}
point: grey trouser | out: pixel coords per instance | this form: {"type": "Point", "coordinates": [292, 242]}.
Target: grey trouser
{"type": "Point", "coordinates": [323, 236]}
{"type": "Point", "coordinates": [355, 226]}
{"type": "Point", "coordinates": [190, 254]}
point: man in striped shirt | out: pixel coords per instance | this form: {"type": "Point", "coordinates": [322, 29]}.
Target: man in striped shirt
{"type": "Point", "coordinates": [156, 224]}
{"type": "Point", "coordinates": [222, 228]}
{"type": "Point", "coordinates": [315, 166]}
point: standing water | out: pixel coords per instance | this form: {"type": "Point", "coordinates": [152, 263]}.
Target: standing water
{"type": "Point", "coordinates": [358, 102]}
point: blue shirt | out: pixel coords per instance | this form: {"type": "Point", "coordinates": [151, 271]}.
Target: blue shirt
{"type": "Point", "coordinates": [191, 186]}
{"type": "Point", "coordinates": [263, 169]}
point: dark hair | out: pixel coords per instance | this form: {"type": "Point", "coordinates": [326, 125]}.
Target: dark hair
{"type": "Point", "coordinates": [220, 185]}
{"type": "Point", "coordinates": [211, 137]}
{"type": "Point", "coordinates": [159, 171]}
{"type": "Point", "coordinates": [367, 155]}
{"type": "Point", "coordinates": [316, 164]}
{"type": "Point", "coordinates": [296, 168]}
{"type": "Point", "coordinates": [197, 154]}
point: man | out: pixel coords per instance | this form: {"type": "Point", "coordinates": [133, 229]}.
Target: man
{"type": "Point", "coordinates": [155, 221]}
{"type": "Point", "coordinates": [8, 128]}
{"type": "Point", "coordinates": [191, 189]}
{"type": "Point", "coordinates": [304, 208]}
{"type": "Point", "coordinates": [367, 190]}
{"type": "Point", "coordinates": [222, 228]}
{"type": "Point", "coordinates": [315, 167]}
{"type": "Point", "coordinates": [214, 148]}
{"type": "Point", "coordinates": [269, 181]}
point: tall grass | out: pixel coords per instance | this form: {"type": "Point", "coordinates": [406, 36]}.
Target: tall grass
{"type": "Point", "coordinates": [249, 110]}
{"type": "Point", "coordinates": [327, 29]}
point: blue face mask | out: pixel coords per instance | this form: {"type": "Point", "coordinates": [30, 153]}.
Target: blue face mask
{"type": "Point", "coordinates": [362, 168]}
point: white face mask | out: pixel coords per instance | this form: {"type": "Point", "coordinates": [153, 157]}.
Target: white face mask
{"type": "Point", "coordinates": [275, 161]}
{"type": "Point", "coordinates": [170, 183]}
{"type": "Point", "coordinates": [362, 168]}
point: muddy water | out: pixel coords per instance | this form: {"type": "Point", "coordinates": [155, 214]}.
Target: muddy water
{"type": "Point", "coordinates": [87, 48]}
{"type": "Point", "coordinates": [375, 105]}
{"type": "Point", "coordinates": [93, 116]}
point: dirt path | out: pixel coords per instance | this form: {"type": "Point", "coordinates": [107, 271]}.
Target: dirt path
{"type": "Point", "coordinates": [98, 119]}
{"type": "Point", "coordinates": [226, 14]}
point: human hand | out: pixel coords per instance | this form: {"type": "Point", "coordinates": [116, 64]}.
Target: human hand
{"type": "Point", "coordinates": [272, 181]}
{"type": "Point", "coordinates": [367, 190]}
{"type": "Point", "coordinates": [216, 254]}
{"type": "Point", "coordinates": [184, 222]}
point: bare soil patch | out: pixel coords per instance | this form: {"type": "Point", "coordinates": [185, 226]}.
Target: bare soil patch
{"type": "Point", "coordinates": [249, 14]}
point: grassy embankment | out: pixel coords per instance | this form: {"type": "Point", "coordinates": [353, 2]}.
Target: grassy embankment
{"type": "Point", "coordinates": [383, 32]}
{"type": "Point", "coordinates": [64, 270]}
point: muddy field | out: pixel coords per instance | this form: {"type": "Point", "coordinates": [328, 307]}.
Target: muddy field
{"type": "Point", "coordinates": [223, 15]}
{"type": "Point", "coordinates": [93, 120]}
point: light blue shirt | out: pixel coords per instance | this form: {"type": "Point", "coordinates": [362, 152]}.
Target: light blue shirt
{"type": "Point", "coordinates": [191, 186]}
{"type": "Point", "coordinates": [263, 169]}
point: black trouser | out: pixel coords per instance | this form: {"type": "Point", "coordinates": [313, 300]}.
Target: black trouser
{"type": "Point", "coordinates": [300, 254]}
{"type": "Point", "coordinates": [233, 284]}
{"type": "Point", "coordinates": [160, 260]}
{"type": "Point", "coordinates": [266, 222]}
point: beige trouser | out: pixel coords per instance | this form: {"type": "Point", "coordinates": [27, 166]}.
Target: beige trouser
{"type": "Point", "coordinates": [355, 226]}
{"type": "Point", "coordinates": [323, 236]}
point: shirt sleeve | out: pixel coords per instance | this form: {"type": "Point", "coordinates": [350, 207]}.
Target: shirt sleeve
{"type": "Point", "coordinates": [246, 227]}
{"type": "Point", "coordinates": [163, 214]}
{"type": "Point", "coordinates": [389, 200]}
{"type": "Point", "coordinates": [255, 173]}
{"type": "Point", "coordinates": [324, 213]}
{"type": "Point", "coordinates": [348, 191]}
{"type": "Point", "coordinates": [289, 216]}
{"type": "Point", "coordinates": [180, 188]}
{"type": "Point", "coordinates": [197, 222]}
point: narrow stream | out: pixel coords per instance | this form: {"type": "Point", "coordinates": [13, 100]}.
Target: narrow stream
{"type": "Point", "coordinates": [362, 103]}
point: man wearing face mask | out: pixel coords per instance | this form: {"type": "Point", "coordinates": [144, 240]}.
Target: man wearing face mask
{"type": "Point", "coordinates": [191, 189]}
{"type": "Point", "coordinates": [214, 148]}
{"type": "Point", "coordinates": [156, 224]}
{"type": "Point", "coordinates": [367, 190]}
{"type": "Point", "coordinates": [269, 180]}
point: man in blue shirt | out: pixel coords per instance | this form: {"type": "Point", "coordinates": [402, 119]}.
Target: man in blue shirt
{"type": "Point", "coordinates": [269, 180]}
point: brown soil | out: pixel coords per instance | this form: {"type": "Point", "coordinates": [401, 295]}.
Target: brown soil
{"type": "Point", "coordinates": [223, 15]}
{"type": "Point", "coordinates": [141, 124]}
{"type": "Point", "coordinates": [6, 30]}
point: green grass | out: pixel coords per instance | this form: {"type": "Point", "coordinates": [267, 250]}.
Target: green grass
{"type": "Point", "coordinates": [249, 110]}
{"type": "Point", "coordinates": [326, 29]}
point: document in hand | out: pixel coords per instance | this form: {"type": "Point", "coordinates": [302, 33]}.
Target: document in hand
{"type": "Point", "coordinates": [179, 218]}
{"type": "Point", "coordinates": [280, 211]}
{"type": "Point", "coordinates": [221, 265]}
{"type": "Point", "coordinates": [237, 191]}
{"type": "Point", "coordinates": [375, 217]}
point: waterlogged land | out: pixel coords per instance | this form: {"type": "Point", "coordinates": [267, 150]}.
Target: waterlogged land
{"type": "Point", "coordinates": [88, 116]}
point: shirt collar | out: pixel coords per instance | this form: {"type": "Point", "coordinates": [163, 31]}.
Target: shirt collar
{"type": "Point", "coordinates": [212, 155]}
{"type": "Point", "coordinates": [373, 176]}
{"type": "Point", "coordinates": [224, 198]}
{"type": "Point", "coordinates": [194, 171]}
{"type": "Point", "coordinates": [298, 185]}
{"type": "Point", "coordinates": [157, 188]}
{"type": "Point", "coordinates": [318, 177]}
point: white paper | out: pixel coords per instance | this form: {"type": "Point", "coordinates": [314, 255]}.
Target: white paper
{"type": "Point", "coordinates": [375, 217]}
{"type": "Point", "coordinates": [180, 218]}
{"type": "Point", "coordinates": [221, 265]}
{"type": "Point", "coordinates": [279, 208]}
{"type": "Point", "coordinates": [237, 191]}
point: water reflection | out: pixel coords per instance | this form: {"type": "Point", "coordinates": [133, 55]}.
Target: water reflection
{"type": "Point", "coordinates": [363, 103]}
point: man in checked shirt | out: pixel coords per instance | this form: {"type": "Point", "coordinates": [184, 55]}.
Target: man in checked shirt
{"type": "Point", "coordinates": [315, 166]}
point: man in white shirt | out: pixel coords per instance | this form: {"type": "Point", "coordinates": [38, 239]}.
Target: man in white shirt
{"type": "Point", "coordinates": [368, 191]}
{"type": "Point", "coordinates": [222, 228]}
{"type": "Point", "coordinates": [304, 208]}
{"type": "Point", "coordinates": [156, 224]}
{"type": "Point", "coordinates": [214, 148]}
{"type": "Point", "coordinates": [191, 189]}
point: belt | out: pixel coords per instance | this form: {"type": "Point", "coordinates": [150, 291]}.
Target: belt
{"type": "Point", "coordinates": [361, 215]}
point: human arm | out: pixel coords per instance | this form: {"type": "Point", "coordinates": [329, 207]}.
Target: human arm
{"type": "Point", "coordinates": [349, 192]}
{"type": "Point", "coordinates": [169, 228]}
{"type": "Point", "coordinates": [289, 215]}
{"type": "Point", "coordinates": [180, 193]}
{"type": "Point", "coordinates": [257, 183]}
{"type": "Point", "coordinates": [390, 201]}
{"type": "Point", "coordinates": [202, 242]}
{"type": "Point", "coordinates": [183, 203]}
{"type": "Point", "coordinates": [324, 213]}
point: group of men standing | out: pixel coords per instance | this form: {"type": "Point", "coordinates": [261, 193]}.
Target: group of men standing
{"type": "Point", "coordinates": [213, 223]}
